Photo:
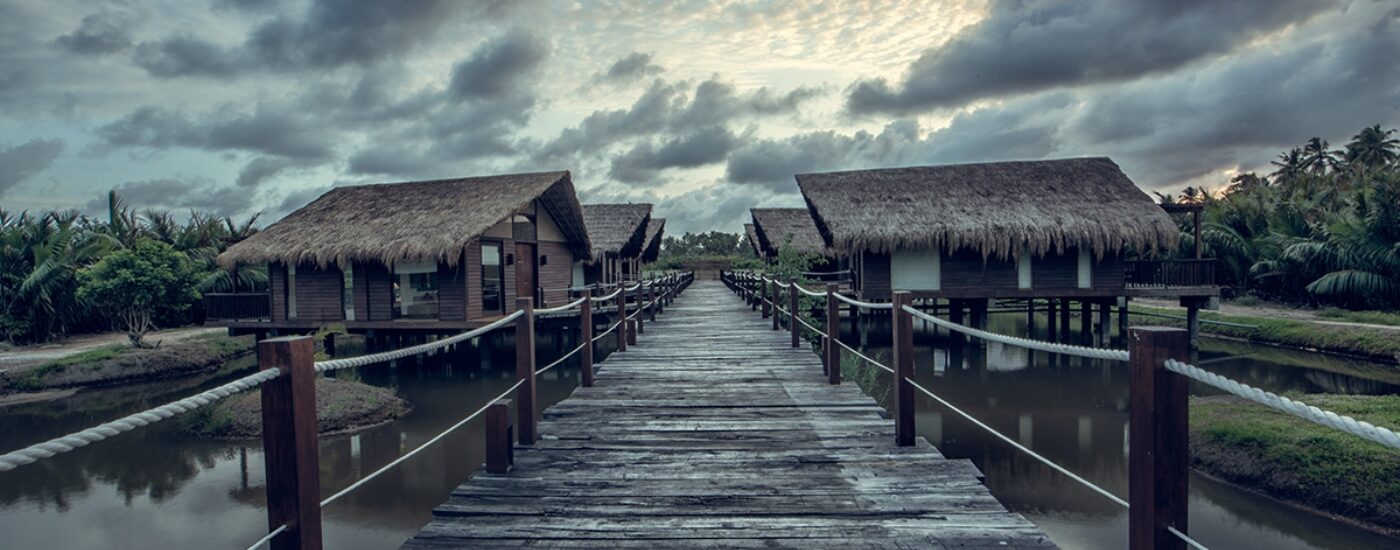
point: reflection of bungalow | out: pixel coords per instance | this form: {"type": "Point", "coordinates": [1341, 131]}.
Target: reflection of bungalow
{"type": "Point", "coordinates": [779, 228]}
{"type": "Point", "coordinates": [752, 235]}
{"type": "Point", "coordinates": [618, 232]}
{"type": "Point", "coordinates": [656, 230]}
{"type": "Point", "coordinates": [428, 256]}
{"type": "Point", "coordinates": [1037, 229]}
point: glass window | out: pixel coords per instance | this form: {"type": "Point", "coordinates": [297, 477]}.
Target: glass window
{"type": "Point", "coordinates": [416, 290]}
{"type": "Point", "coordinates": [493, 285]}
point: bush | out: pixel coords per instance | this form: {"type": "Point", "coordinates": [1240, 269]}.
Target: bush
{"type": "Point", "coordinates": [138, 285]}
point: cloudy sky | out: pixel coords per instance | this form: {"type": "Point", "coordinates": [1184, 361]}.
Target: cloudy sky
{"type": "Point", "coordinates": [705, 108]}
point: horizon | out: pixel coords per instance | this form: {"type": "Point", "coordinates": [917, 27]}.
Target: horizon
{"type": "Point", "coordinates": [269, 106]}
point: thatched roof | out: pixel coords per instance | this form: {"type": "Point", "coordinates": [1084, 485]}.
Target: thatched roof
{"type": "Point", "coordinates": [777, 228]}
{"type": "Point", "coordinates": [651, 249]}
{"type": "Point", "coordinates": [616, 228]}
{"type": "Point", "coordinates": [414, 221]}
{"type": "Point", "coordinates": [995, 208]}
{"type": "Point", "coordinates": [751, 234]}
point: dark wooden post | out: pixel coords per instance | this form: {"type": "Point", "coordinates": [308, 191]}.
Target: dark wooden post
{"type": "Point", "coordinates": [641, 311]}
{"type": "Point", "coordinates": [833, 335]}
{"type": "Point", "coordinates": [773, 297]}
{"type": "Point", "coordinates": [1064, 319]}
{"type": "Point", "coordinates": [500, 442]}
{"type": "Point", "coordinates": [1105, 314]}
{"type": "Point", "coordinates": [1030, 318]}
{"type": "Point", "coordinates": [330, 344]}
{"type": "Point", "coordinates": [901, 393]}
{"type": "Point", "coordinates": [1086, 319]}
{"type": "Point", "coordinates": [585, 335]}
{"type": "Point", "coordinates": [1050, 318]}
{"type": "Point", "coordinates": [792, 311]}
{"type": "Point", "coordinates": [1157, 438]}
{"type": "Point", "coordinates": [525, 412]}
{"type": "Point", "coordinates": [631, 329]}
{"type": "Point", "coordinates": [764, 298]}
{"type": "Point", "coordinates": [622, 320]}
{"type": "Point", "coordinates": [289, 442]}
{"type": "Point", "coordinates": [651, 297]}
{"type": "Point", "coordinates": [1123, 317]}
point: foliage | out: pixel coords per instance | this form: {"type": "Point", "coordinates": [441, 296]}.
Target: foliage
{"type": "Point", "coordinates": [41, 254]}
{"type": "Point", "coordinates": [139, 285]}
{"type": "Point", "coordinates": [1361, 341]}
{"type": "Point", "coordinates": [714, 248]}
{"type": "Point", "coordinates": [1323, 228]}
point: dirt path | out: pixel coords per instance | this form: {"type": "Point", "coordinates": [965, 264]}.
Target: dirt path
{"type": "Point", "coordinates": [1270, 312]}
{"type": "Point", "coordinates": [29, 356]}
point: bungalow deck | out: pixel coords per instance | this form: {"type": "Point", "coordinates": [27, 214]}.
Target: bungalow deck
{"type": "Point", "coordinates": [714, 432]}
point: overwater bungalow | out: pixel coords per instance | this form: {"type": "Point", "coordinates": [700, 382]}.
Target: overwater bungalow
{"type": "Point", "coordinates": [778, 228]}
{"type": "Point", "coordinates": [1071, 229]}
{"type": "Point", "coordinates": [618, 233]}
{"type": "Point", "coordinates": [656, 231]}
{"type": "Point", "coordinates": [751, 235]}
{"type": "Point", "coordinates": [428, 256]}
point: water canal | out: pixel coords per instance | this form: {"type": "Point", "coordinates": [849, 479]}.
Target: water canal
{"type": "Point", "coordinates": [159, 488]}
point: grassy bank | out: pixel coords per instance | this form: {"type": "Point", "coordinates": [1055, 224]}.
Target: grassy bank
{"type": "Point", "coordinates": [1374, 343]}
{"type": "Point", "coordinates": [1301, 462]}
{"type": "Point", "coordinates": [341, 406]}
{"type": "Point", "coordinates": [119, 363]}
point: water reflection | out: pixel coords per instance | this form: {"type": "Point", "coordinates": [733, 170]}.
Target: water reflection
{"type": "Point", "coordinates": [1074, 411]}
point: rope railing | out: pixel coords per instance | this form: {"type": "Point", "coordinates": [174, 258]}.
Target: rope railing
{"type": "Point", "coordinates": [866, 305]}
{"type": "Point", "coordinates": [606, 297]}
{"type": "Point", "coordinates": [564, 357]}
{"type": "Point", "coordinates": [1066, 349]}
{"type": "Point", "coordinates": [262, 542]}
{"type": "Point", "coordinates": [381, 357]}
{"type": "Point", "coordinates": [562, 308]}
{"type": "Point", "coordinates": [1343, 423]}
{"type": "Point", "coordinates": [812, 293]}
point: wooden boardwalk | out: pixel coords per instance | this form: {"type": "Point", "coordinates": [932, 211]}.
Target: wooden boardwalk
{"type": "Point", "coordinates": [713, 432]}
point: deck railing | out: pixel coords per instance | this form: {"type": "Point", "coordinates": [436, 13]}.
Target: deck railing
{"type": "Point", "coordinates": [237, 306]}
{"type": "Point", "coordinates": [1169, 273]}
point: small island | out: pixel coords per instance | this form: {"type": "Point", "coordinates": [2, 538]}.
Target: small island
{"type": "Point", "coordinates": [341, 407]}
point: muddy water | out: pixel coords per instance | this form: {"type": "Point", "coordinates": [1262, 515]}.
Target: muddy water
{"type": "Point", "coordinates": [1075, 412]}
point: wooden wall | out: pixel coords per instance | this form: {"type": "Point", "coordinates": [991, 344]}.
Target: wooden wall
{"type": "Point", "coordinates": [452, 292]}
{"type": "Point", "coordinates": [557, 273]}
{"type": "Point", "coordinates": [874, 276]}
{"type": "Point", "coordinates": [318, 293]}
{"type": "Point", "coordinates": [277, 288]}
{"type": "Point", "coordinates": [374, 284]}
{"type": "Point", "coordinates": [966, 271]}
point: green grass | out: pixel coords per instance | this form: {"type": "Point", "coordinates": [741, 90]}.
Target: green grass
{"type": "Point", "coordinates": [95, 355]}
{"type": "Point", "coordinates": [1352, 340]}
{"type": "Point", "coordinates": [1372, 317]}
{"type": "Point", "coordinates": [1298, 460]}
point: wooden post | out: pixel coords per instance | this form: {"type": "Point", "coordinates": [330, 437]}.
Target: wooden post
{"type": "Point", "coordinates": [621, 330]}
{"type": "Point", "coordinates": [1030, 318]}
{"type": "Point", "coordinates": [630, 326]}
{"type": "Point", "coordinates": [330, 344]}
{"type": "Point", "coordinates": [833, 335]}
{"type": "Point", "coordinates": [525, 412]}
{"type": "Point", "coordinates": [289, 442]}
{"type": "Point", "coordinates": [1086, 319]}
{"type": "Point", "coordinates": [764, 298]}
{"type": "Point", "coordinates": [1105, 313]}
{"type": "Point", "coordinates": [1193, 325]}
{"type": "Point", "coordinates": [500, 442]}
{"type": "Point", "coordinates": [651, 297]}
{"type": "Point", "coordinates": [585, 334]}
{"type": "Point", "coordinates": [641, 311]}
{"type": "Point", "coordinates": [1064, 319]}
{"type": "Point", "coordinates": [773, 297]}
{"type": "Point", "coordinates": [1157, 439]}
{"type": "Point", "coordinates": [792, 311]}
{"type": "Point", "coordinates": [1050, 311]}
{"type": "Point", "coordinates": [901, 393]}
{"type": "Point", "coordinates": [1123, 317]}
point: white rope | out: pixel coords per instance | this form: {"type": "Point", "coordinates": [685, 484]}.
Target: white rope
{"type": "Point", "coordinates": [1020, 447]}
{"type": "Point", "coordinates": [420, 448]}
{"type": "Point", "coordinates": [863, 356]}
{"type": "Point", "coordinates": [814, 329]}
{"type": "Point", "coordinates": [268, 538]}
{"type": "Point", "coordinates": [867, 305]}
{"type": "Point", "coordinates": [1187, 539]}
{"type": "Point", "coordinates": [817, 294]}
{"type": "Point", "coordinates": [560, 360]}
{"type": "Point", "coordinates": [34, 453]}
{"type": "Point", "coordinates": [337, 364]}
{"type": "Point", "coordinates": [564, 307]}
{"type": "Point", "coordinates": [1081, 351]}
{"type": "Point", "coordinates": [1343, 423]}
{"type": "Point", "coordinates": [606, 298]}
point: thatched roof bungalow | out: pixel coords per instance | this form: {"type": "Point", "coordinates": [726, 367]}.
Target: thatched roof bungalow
{"type": "Point", "coordinates": [656, 230]}
{"type": "Point", "coordinates": [751, 234]}
{"type": "Point", "coordinates": [779, 228]}
{"type": "Point", "coordinates": [1002, 229]}
{"type": "Point", "coordinates": [618, 232]}
{"type": "Point", "coordinates": [452, 251]}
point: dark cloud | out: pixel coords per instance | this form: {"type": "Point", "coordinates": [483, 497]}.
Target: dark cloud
{"type": "Point", "coordinates": [252, 6]}
{"type": "Point", "coordinates": [1030, 45]}
{"type": "Point", "coordinates": [498, 68]}
{"type": "Point", "coordinates": [179, 194]}
{"type": "Point", "coordinates": [270, 130]}
{"type": "Point", "coordinates": [261, 169]}
{"type": "Point", "coordinates": [641, 163]}
{"type": "Point", "coordinates": [712, 207]}
{"type": "Point", "coordinates": [185, 55]}
{"type": "Point", "coordinates": [22, 161]}
{"type": "Point", "coordinates": [98, 34]}
{"type": "Point", "coordinates": [635, 66]}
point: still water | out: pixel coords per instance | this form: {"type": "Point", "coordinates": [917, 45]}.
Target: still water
{"type": "Point", "coordinates": [156, 487]}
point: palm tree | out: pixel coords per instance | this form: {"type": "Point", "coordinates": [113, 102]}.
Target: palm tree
{"type": "Point", "coordinates": [1318, 160]}
{"type": "Point", "coordinates": [1373, 148]}
{"type": "Point", "coordinates": [1289, 166]}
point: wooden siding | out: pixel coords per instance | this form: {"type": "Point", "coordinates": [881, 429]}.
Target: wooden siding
{"type": "Point", "coordinates": [452, 292]}
{"type": "Point", "coordinates": [965, 275]}
{"type": "Point", "coordinates": [557, 274]}
{"type": "Point", "coordinates": [319, 293]}
{"type": "Point", "coordinates": [277, 287]}
{"type": "Point", "coordinates": [966, 270]}
{"type": "Point", "coordinates": [473, 278]}
{"type": "Point", "coordinates": [379, 290]}
{"type": "Point", "coordinates": [875, 276]}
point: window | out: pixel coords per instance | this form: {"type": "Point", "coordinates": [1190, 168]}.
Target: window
{"type": "Point", "coordinates": [291, 292]}
{"type": "Point", "coordinates": [916, 270]}
{"type": "Point", "coordinates": [415, 290]}
{"type": "Point", "coordinates": [1023, 269]}
{"type": "Point", "coordinates": [493, 279]}
{"type": "Point", "coordinates": [347, 292]}
{"type": "Point", "coordinates": [1086, 268]}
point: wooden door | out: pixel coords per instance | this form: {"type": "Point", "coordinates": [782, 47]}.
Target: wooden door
{"type": "Point", "coordinates": [525, 270]}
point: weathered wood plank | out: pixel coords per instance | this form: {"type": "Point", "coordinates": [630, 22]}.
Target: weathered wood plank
{"type": "Point", "coordinates": [713, 432]}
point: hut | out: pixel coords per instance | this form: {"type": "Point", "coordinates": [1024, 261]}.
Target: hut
{"type": "Point", "coordinates": [751, 234]}
{"type": "Point", "coordinates": [434, 256]}
{"type": "Point", "coordinates": [618, 233]}
{"type": "Point", "coordinates": [1056, 229]}
{"type": "Point", "coordinates": [651, 250]}
{"type": "Point", "coordinates": [780, 228]}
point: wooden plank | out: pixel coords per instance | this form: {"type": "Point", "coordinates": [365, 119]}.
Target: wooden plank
{"type": "Point", "coordinates": [715, 432]}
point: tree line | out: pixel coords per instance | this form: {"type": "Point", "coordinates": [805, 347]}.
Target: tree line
{"type": "Point", "coordinates": [64, 272]}
{"type": "Point", "coordinates": [1322, 228]}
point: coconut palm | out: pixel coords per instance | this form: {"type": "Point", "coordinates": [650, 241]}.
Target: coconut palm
{"type": "Point", "coordinates": [1289, 165]}
{"type": "Point", "coordinates": [1373, 148]}
{"type": "Point", "coordinates": [1318, 159]}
